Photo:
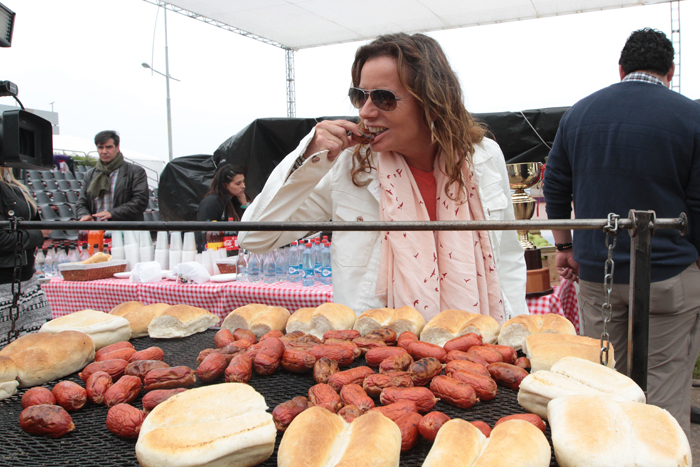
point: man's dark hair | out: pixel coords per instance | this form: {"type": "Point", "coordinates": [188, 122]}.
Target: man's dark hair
{"type": "Point", "coordinates": [103, 136]}
{"type": "Point", "coordinates": [647, 50]}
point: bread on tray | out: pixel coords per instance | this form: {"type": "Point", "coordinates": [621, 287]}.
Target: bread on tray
{"type": "Point", "coordinates": [597, 431]}
{"type": "Point", "coordinates": [8, 377]}
{"type": "Point", "coordinates": [323, 318]}
{"type": "Point", "coordinates": [449, 324]}
{"type": "Point", "coordinates": [181, 321]}
{"type": "Point", "coordinates": [258, 318]}
{"type": "Point", "coordinates": [545, 349]}
{"type": "Point", "coordinates": [103, 328]}
{"type": "Point", "coordinates": [400, 320]}
{"type": "Point", "coordinates": [218, 425]}
{"type": "Point", "coordinates": [41, 357]}
{"type": "Point", "coordinates": [319, 438]}
{"type": "Point", "coordinates": [139, 316]}
{"type": "Point", "coordinates": [515, 330]}
{"type": "Point", "coordinates": [575, 376]}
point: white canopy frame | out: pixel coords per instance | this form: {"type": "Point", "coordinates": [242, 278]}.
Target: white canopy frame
{"type": "Point", "coordinates": [298, 24]}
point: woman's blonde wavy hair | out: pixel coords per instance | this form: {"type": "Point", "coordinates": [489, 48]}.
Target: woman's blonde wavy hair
{"type": "Point", "coordinates": [8, 178]}
{"type": "Point", "coordinates": [425, 72]}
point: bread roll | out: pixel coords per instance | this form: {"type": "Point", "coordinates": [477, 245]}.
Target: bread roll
{"type": "Point", "coordinates": [42, 357]}
{"type": "Point", "coordinates": [124, 308]}
{"type": "Point", "coordinates": [454, 323]}
{"type": "Point", "coordinates": [538, 389]}
{"type": "Point", "coordinates": [595, 431]}
{"type": "Point", "coordinates": [98, 257]}
{"type": "Point", "coordinates": [8, 377]}
{"type": "Point", "coordinates": [181, 321]}
{"type": "Point", "coordinates": [140, 318]}
{"type": "Point", "coordinates": [545, 349]}
{"type": "Point", "coordinates": [458, 443]}
{"type": "Point", "coordinates": [515, 442]}
{"type": "Point", "coordinates": [323, 318]}
{"type": "Point", "coordinates": [103, 328]}
{"type": "Point", "coordinates": [217, 425]}
{"type": "Point", "coordinates": [400, 320]}
{"type": "Point", "coordinates": [320, 438]}
{"type": "Point", "coordinates": [602, 378]}
{"type": "Point", "coordinates": [515, 330]}
{"type": "Point", "coordinates": [259, 319]}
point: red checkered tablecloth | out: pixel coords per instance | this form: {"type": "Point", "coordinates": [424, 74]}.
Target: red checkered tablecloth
{"type": "Point", "coordinates": [67, 297]}
{"type": "Point", "coordinates": [563, 301]}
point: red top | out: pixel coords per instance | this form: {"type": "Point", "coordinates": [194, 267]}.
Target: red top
{"type": "Point", "coordinates": [428, 190]}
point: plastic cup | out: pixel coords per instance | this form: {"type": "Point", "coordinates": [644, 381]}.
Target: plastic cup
{"type": "Point", "coordinates": [162, 257]}
{"type": "Point", "coordinates": [175, 259]}
{"type": "Point", "coordinates": [188, 256]}
{"type": "Point", "coordinates": [175, 241]}
{"type": "Point", "coordinates": [189, 243]}
{"type": "Point", "coordinates": [117, 238]}
{"type": "Point", "coordinates": [129, 238]}
{"type": "Point", "coordinates": [118, 253]}
{"type": "Point", "coordinates": [131, 253]}
{"type": "Point", "coordinates": [162, 241]}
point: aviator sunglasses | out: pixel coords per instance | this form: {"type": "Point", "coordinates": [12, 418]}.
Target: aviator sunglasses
{"type": "Point", "coordinates": [383, 99]}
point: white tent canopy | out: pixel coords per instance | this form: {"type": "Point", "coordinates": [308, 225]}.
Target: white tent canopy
{"type": "Point", "coordinates": [297, 24]}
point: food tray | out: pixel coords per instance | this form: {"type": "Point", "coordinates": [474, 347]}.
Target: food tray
{"type": "Point", "coordinates": [92, 444]}
{"type": "Point", "coordinates": [226, 267]}
{"type": "Point", "coordinates": [91, 272]}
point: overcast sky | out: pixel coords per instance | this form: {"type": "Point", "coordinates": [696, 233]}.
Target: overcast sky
{"type": "Point", "coordinates": [85, 56]}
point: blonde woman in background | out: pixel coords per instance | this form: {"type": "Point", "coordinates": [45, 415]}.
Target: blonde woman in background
{"type": "Point", "coordinates": [33, 307]}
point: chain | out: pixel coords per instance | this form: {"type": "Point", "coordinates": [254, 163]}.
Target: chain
{"type": "Point", "coordinates": [16, 277]}
{"type": "Point", "coordinates": [611, 230]}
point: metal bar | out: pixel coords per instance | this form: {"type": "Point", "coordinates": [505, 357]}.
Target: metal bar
{"type": "Point", "coordinates": [639, 296]}
{"type": "Point", "coordinates": [587, 224]}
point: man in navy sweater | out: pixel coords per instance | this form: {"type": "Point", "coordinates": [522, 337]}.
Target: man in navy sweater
{"type": "Point", "coordinates": [635, 145]}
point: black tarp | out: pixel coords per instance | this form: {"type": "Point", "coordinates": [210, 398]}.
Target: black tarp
{"type": "Point", "coordinates": [523, 136]}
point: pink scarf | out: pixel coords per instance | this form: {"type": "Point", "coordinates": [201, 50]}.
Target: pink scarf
{"type": "Point", "coordinates": [441, 270]}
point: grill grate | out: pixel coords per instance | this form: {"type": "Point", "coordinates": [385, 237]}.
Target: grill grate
{"type": "Point", "coordinates": [92, 444]}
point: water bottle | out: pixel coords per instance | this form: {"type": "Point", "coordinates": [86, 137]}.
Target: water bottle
{"type": "Point", "coordinates": [73, 256]}
{"type": "Point", "coordinates": [61, 257]}
{"type": "Point", "coordinates": [84, 254]}
{"type": "Point", "coordinates": [294, 270]}
{"type": "Point", "coordinates": [241, 267]}
{"type": "Point", "coordinates": [268, 268]}
{"type": "Point", "coordinates": [49, 260]}
{"type": "Point", "coordinates": [326, 264]}
{"type": "Point", "coordinates": [39, 263]}
{"type": "Point", "coordinates": [254, 271]}
{"type": "Point", "coordinates": [317, 259]}
{"type": "Point", "coordinates": [308, 263]}
{"type": "Point", "coordinates": [281, 264]}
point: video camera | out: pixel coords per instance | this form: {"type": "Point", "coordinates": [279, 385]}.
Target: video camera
{"type": "Point", "coordinates": [26, 140]}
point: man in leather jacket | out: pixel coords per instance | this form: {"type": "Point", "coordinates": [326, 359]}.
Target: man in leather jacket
{"type": "Point", "coordinates": [114, 189]}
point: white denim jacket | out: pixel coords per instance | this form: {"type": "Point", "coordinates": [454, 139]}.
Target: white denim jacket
{"type": "Point", "coordinates": [320, 191]}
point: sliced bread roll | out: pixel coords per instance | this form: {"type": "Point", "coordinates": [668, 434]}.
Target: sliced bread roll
{"type": "Point", "coordinates": [515, 330]}
{"type": "Point", "coordinates": [325, 317]}
{"type": "Point", "coordinates": [320, 438]}
{"type": "Point", "coordinates": [103, 328]}
{"type": "Point", "coordinates": [140, 317]}
{"type": "Point", "coordinates": [181, 321]}
{"type": "Point", "coordinates": [400, 320]}
{"type": "Point", "coordinates": [456, 439]}
{"type": "Point", "coordinates": [124, 308]}
{"type": "Point", "coordinates": [515, 442]}
{"type": "Point", "coordinates": [41, 357]}
{"type": "Point", "coordinates": [454, 323]}
{"type": "Point", "coordinates": [8, 378]}
{"type": "Point", "coordinates": [545, 349]}
{"type": "Point", "coordinates": [218, 425]}
{"type": "Point", "coordinates": [258, 318]}
{"type": "Point", "coordinates": [597, 431]}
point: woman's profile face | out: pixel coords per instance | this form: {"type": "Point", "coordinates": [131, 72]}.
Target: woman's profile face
{"type": "Point", "coordinates": [236, 187]}
{"type": "Point", "coordinates": [401, 130]}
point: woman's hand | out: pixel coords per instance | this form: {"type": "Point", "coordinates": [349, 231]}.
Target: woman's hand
{"type": "Point", "coordinates": [46, 233]}
{"type": "Point", "coordinates": [566, 266]}
{"type": "Point", "coordinates": [242, 199]}
{"type": "Point", "coordinates": [332, 136]}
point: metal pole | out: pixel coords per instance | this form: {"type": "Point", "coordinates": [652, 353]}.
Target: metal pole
{"type": "Point", "coordinates": [639, 296]}
{"type": "Point", "coordinates": [167, 87]}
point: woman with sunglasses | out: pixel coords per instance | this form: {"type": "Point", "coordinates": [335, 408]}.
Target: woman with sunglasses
{"type": "Point", "coordinates": [416, 154]}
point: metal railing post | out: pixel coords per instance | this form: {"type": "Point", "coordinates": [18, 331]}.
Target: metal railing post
{"type": "Point", "coordinates": [639, 295]}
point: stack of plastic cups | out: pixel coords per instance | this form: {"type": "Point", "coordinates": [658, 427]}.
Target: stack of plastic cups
{"type": "Point", "coordinates": [146, 247]}
{"type": "Point", "coordinates": [207, 261]}
{"type": "Point", "coordinates": [175, 250]}
{"type": "Point", "coordinates": [162, 254]}
{"type": "Point", "coordinates": [131, 250]}
{"type": "Point", "coordinates": [189, 248]}
{"type": "Point", "coordinates": [118, 245]}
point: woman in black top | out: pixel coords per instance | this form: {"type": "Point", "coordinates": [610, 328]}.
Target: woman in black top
{"type": "Point", "coordinates": [225, 199]}
{"type": "Point", "coordinates": [34, 311]}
